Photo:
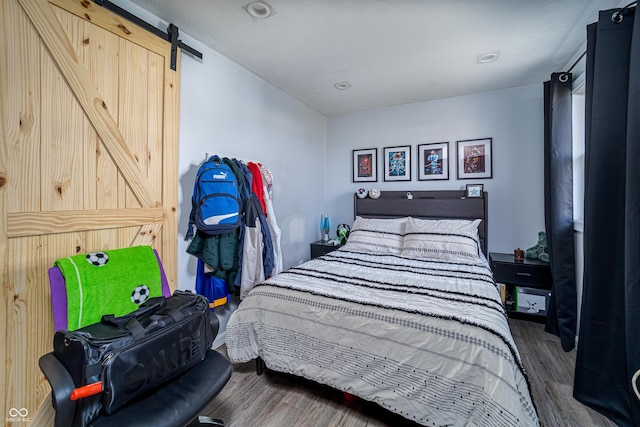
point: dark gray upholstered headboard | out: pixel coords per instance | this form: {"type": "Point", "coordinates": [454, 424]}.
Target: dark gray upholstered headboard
{"type": "Point", "coordinates": [427, 204]}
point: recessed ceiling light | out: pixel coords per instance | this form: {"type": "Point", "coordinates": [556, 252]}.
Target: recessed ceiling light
{"type": "Point", "coordinates": [258, 9]}
{"type": "Point", "coordinates": [488, 57]}
{"type": "Point", "coordinates": [342, 85]}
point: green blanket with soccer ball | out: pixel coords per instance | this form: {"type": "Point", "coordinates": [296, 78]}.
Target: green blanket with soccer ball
{"type": "Point", "coordinates": [114, 281]}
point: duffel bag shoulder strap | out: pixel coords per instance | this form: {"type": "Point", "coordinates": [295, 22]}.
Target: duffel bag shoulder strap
{"type": "Point", "coordinates": [131, 321]}
{"type": "Point", "coordinates": [147, 308]}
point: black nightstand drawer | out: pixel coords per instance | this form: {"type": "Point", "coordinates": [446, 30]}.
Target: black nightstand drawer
{"type": "Point", "coordinates": [522, 274]}
{"type": "Point", "coordinates": [531, 273]}
{"type": "Point", "coordinates": [320, 248]}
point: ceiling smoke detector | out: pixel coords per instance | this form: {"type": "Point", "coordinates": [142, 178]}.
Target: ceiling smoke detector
{"type": "Point", "coordinates": [258, 9]}
{"type": "Point", "coordinates": [488, 57]}
{"type": "Point", "coordinates": [342, 85]}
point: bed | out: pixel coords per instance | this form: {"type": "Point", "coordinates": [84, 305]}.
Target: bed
{"type": "Point", "coordinates": [406, 315]}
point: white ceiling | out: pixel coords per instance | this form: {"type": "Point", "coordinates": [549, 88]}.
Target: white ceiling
{"type": "Point", "coordinates": [391, 52]}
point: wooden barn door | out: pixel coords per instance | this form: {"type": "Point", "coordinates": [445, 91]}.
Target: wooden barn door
{"type": "Point", "coordinates": [88, 161]}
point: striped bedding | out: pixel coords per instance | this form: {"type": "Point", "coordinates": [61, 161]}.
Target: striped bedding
{"type": "Point", "coordinates": [426, 339]}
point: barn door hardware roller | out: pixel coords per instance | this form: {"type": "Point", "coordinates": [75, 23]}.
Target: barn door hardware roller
{"type": "Point", "coordinates": [172, 35]}
{"type": "Point", "coordinates": [176, 43]}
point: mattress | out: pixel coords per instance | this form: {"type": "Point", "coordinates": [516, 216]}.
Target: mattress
{"type": "Point", "coordinates": [426, 339]}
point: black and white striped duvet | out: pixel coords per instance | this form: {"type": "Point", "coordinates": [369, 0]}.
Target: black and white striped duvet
{"type": "Point", "coordinates": [426, 339]}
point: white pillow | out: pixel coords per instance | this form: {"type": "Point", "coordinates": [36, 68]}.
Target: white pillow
{"type": "Point", "coordinates": [377, 235]}
{"type": "Point", "coordinates": [446, 240]}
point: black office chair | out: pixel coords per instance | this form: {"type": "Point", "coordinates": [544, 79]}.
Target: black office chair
{"type": "Point", "coordinates": [175, 404]}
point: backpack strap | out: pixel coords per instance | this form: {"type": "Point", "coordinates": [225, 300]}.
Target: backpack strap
{"type": "Point", "coordinates": [194, 206]}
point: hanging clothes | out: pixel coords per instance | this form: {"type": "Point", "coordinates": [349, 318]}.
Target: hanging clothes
{"type": "Point", "coordinates": [246, 256]}
{"type": "Point", "coordinates": [256, 186]}
{"type": "Point", "coordinates": [245, 194]}
{"type": "Point", "coordinates": [252, 267]}
{"type": "Point", "coordinates": [276, 233]}
{"type": "Point", "coordinates": [267, 252]}
{"type": "Point", "coordinates": [218, 253]}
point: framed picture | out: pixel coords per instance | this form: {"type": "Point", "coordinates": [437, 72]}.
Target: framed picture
{"type": "Point", "coordinates": [397, 163]}
{"type": "Point", "coordinates": [475, 190]}
{"type": "Point", "coordinates": [365, 163]}
{"type": "Point", "coordinates": [433, 161]}
{"type": "Point", "coordinates": [474, 158]}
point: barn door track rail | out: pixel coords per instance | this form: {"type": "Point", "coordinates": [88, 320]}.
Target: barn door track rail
{"type": "Point", "coordinates": [172, 35]}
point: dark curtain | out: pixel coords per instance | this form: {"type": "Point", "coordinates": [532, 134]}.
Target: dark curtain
{"type": "Point", "coordinates": [609, 337]}
{"type": "Point", "coordinates": [558, 208]}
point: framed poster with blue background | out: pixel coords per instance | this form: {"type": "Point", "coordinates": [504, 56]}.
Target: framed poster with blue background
{"type": "Point", "coordinates": [433, 161]}
{"type": "Point", "coordinates": [397, 163]}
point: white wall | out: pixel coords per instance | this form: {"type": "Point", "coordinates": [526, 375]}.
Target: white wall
{"type": "Point", "coordinates": [226, 110]}
{"type": "Point", "coordinates": [513, 118]}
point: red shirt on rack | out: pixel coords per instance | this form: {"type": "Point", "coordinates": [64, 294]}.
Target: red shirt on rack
{"type": "Point", "coordinates": [256, 185]}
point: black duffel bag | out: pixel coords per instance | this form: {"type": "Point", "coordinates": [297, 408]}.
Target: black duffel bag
{"type": "Point", "coordinates": [124, 358]}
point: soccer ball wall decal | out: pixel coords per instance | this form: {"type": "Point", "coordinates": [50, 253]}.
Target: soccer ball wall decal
{"type": "Point", "coordinates": [97, 258]}
{"type": "Point", "coordinates": [140, 294]}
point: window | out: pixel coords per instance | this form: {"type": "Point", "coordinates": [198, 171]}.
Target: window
{"type": "Point", "coordinates": [578, 124]}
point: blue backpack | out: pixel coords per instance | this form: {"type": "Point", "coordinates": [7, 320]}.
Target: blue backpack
{"type": "Point", "coordinates": [215, 203]}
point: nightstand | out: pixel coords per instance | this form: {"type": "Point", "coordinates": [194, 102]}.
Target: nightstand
{"type": "Point", "coordinates": [527, 283]}
{"type": "Point", "coordinates": [320, 248]}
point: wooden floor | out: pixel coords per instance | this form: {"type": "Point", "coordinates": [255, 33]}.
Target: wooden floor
{"type": "Point", "coordinates": [281, 400]}
{"type": "Point", "coordinates": [550, 373]}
